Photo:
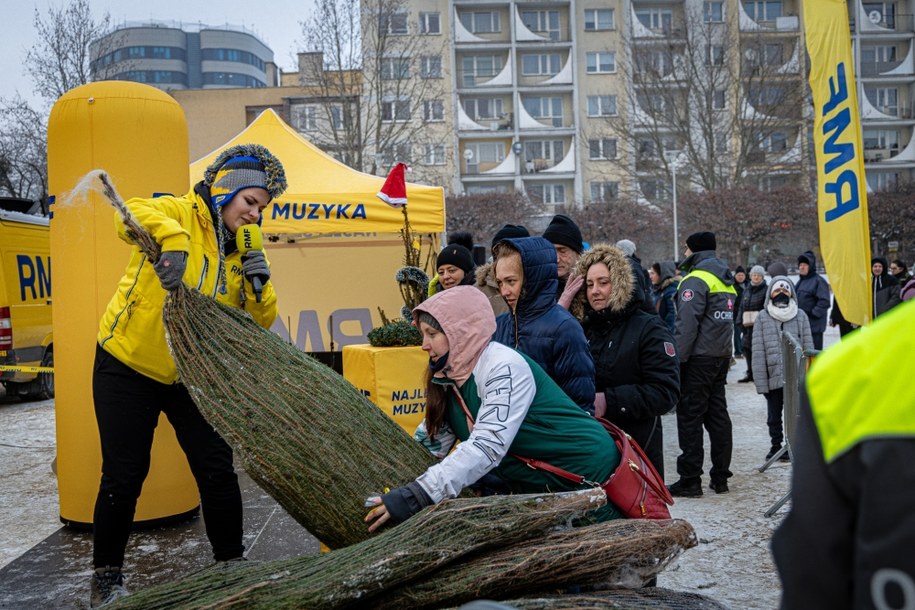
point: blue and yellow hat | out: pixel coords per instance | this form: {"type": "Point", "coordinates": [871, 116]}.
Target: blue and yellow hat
{"type": "Point", "coordinates": [244, 166]}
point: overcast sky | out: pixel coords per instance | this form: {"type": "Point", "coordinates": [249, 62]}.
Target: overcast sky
{"type": "Point", "coordinates": [275, 22]}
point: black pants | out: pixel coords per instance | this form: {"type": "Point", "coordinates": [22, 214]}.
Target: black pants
{"type": "Point", "coordinates": [775, 403]}
{"type": "Point", "coordinates": [817, 340]}
{"type": "Point", "coordinates": [703, 403]}
{"type": "Point", "coordinates": [127, 407]}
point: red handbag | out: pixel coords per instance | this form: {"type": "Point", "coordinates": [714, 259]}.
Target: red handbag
{"type": "Point", "coordinates": [635, 487]}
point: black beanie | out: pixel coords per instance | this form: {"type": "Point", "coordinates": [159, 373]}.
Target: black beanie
{"type": "Point", "coordinates": [508, 232]}
{"type": "Point", "coordinates": [740, 269]}
{"type": "Point", "coordinates": [702, 241]}
{"type": "Point", "coordinates": [456, 255]}
{"type": "Point", "coordinates": [562, 231]}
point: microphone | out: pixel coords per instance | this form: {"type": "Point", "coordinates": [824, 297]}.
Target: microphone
{"type": "Point", "coordinates": [247, 239]}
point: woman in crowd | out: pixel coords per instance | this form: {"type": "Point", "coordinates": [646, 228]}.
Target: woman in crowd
{"type": "Point", "coordinates": [752, 302]}
{"type": "Point", "coordinates": [135, 377]}
{"type": "Point", "coordinates": [780, 314]}
{"type": "Point", "coordinates": [885, 287]}
{"type": "Point", "coordinates": [663, 290]}
{"type": "Point", "coordinates": [454, 267]}
{"type": "Point", "coordinates": [501, 405]}
{"type": "Point", "coordinates": [637, 372]}
{"type": "Point", "coordinates": [525, 269]}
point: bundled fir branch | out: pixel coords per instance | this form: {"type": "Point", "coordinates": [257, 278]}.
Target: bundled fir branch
{"type": "Point", "coordinates": [628, 599]}
{"type": "Point", "coordinates": [305, 434]}
{"type": "Point", "coordinates": [356, 575]}
{"type": "Point", "coordinates": [615, 553]}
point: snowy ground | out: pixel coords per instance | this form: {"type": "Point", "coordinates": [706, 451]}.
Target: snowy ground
{"type": "Point", "coordinates": [731, 564]}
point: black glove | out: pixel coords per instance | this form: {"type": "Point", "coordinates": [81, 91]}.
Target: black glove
{"type": "Point", "coordinates": [254, 264]}
{"type": "Point", "coordinates": [404, 502]}
{"type": "Point", "coordinates": [170, 268]}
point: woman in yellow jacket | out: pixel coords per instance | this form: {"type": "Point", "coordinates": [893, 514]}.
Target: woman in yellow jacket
{"type": "Point", "coordinates": [134, 376]}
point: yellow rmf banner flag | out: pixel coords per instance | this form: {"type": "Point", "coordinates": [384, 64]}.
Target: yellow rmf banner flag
{"type": "Point", "coordinates": [842, 192]}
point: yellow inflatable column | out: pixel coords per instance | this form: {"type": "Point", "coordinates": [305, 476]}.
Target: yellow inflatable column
{"type": "Point", "coordinates": [138, 135]}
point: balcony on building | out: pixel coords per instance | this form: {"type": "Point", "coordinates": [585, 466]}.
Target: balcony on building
{"type": "Point", "coordinates": [879, 19]}
{"type": "Point", "coordinates": [492, 158]}
{"type": "Point", "coordinates": [658, 20]}
{"type": "Point", "coordinates": [548, 112]}
{"type": "Point", "coordinates": [770, 58]}
{"type": "Point", "coordinates": [768, 18]}
{"type": "Point", "coordinates": [542, 67]}
{"type": "Point", "coordinates": [887, 60]}
{"type": "Point", "coordinates": [484, 70]}
{"type": "Point", "coordinates": [886, 103]}
{"type": "Point", "coordinates": [482, 24]}
{"type": "Point", "coordinates": [890, 145]}
{"type": "Point", "coordinates": [547, 158]}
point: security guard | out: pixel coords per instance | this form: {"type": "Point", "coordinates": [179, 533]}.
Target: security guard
{"type": "Point", "coordinates": [706, 301]}
{"type": "Point", "coordinates": [849, 540]}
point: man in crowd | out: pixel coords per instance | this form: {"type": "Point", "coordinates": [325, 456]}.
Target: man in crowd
{"type": "Point", "coordinates": [565, 236]}
{"type": "Point", "coordinates": [706, 301]}
{"type": "Point", "coordinates": [812, 296]}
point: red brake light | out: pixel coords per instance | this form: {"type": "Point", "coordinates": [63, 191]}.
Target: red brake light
{"type": "Point", "coordinates": [6, 329]}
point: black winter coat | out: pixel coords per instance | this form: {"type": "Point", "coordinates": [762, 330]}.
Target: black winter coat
{"type": "Point", "coordinates": [635, 359]}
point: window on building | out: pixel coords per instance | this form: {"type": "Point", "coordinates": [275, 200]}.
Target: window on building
{"type": "Point", "coordinates": [721, 143]}
{"type": "Point", "coordinates": [886, 11]}
{"type": "Point", "coordinates": [430, 23]}
{"type": "Point", "coordinates": [885, 99]}
{"type": "Point", "coordinates": [488, 153]}
{"type": "Point", "coordinates": [719, 99]}
{"type": "Point", "coordinates": [658, 19]}
{"type": "Point", "coordinates": [771, 183]}
{"type": "Point", "coordinates": [600, 62]}
{"type": "Point", "coordinates": [882, 181]}
{"type": "Point", "coordinates": [713, 12]}
{"type": "Point", "coordinates": [399, 152]}
{"type": "Point", "coordinates": [434, 154]}
{"type": "Point", "coordinates": [597, 19]}
{"type": "Point", "coordinates": [393, 23]}
{"type": "Point", "coordinates": [430, 66]}
{"type": "Point", "coordinates": [540, 64]}
{"type": "Point", "coordinates": [763, 10]}
{"type": "Point", "coordinates": [542, 22]}
{"type": "Point", "coordinates": [602, 148]}
{"type": "Point", "coordinates": [482, 108]}
{"type": "Point", "coordinates": [602, 105]}
{"type": "Point", "coordinates": [482, 67]}
{"type": "Point", "coordinates": [715, 55]}
{"type": "Point", "coordinates": [604, 190]}
{"type": "Point", "coordinates": [878, 54]}
{"type": "Point", "coordinates": [481, 22]}
{"type": "Point", "coordinates": [545, 108]}
{"type": "Point", "coordinates": [543, 150]}
{"type": "Point", "coordinates": [395, 110]}
{"type": "Point", "coordinates": [547, 193]}
{"type": "Point", "coordinates": [337, 116]}
{"type": "Point", "coordinates": [880, 139]}
{"type": "Point", "coordinates": [395, 68]}
{"type": "Point", "coordinates": [304, 117]}
{"type": "Point", "coordinates": [433, 110]}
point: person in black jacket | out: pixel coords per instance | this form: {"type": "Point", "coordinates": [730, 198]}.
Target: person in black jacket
{"type": "Point", "coordinates": [884, 287]}
{"type": "Point", "coordinates": [812, 296]}
{"type": "Point", "coordinates": [637, 372]}
{"type": "Point", "coordinates": [753, 299]}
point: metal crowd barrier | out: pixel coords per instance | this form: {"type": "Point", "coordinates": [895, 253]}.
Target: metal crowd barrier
{"type": "Point", "coordinates": [796, 362]}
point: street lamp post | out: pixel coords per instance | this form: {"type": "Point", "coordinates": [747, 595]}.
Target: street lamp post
{"type": "Point", "coordinates": [672, 156]}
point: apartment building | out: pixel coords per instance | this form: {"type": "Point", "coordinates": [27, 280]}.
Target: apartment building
{"type": "Point", "coordinates": [175, 56]}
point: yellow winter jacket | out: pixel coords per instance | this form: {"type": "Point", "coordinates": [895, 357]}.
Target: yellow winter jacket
{"type": "Point", "coordinates": [131, 329]}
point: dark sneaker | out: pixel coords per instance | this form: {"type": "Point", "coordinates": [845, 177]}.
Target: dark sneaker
{"type": "Point", "coordinates": [107, 587]}
{"type": "Point", "coordinates": [745, 379]}
{"type": "Point", "coordinates": [785, 457]}
{"type": "Point", "coordinates": [775, 449]}
{"type": "Point", "coordinates": [719, 488]}
{"type": "Point", "coordinates": [681, 489]}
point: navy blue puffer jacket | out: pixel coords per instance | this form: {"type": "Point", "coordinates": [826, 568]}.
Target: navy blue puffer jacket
{"type": "Point", "coordinates": [543, 330]}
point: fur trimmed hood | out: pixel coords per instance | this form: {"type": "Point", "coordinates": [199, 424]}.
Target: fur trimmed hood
{"type": "Point", "coordinates": [622, 282]}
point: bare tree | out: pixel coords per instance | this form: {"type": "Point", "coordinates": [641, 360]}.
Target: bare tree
{"type": "Point", "coordinates": [746, 219]}
{"type": "Point", "coordinates": [23, 152]}
{"type": "Point", "coordinates": [892, 218]}
{"type": "Point", "coordinates": [729, 101]}
{"type": "Point", "coordinates": [60, 60]}
{"type": "Point", "coordinates": [483, 215]}
{"type": "Point", "coordinates": [380, 88]}
{"type": "Point", "coordinates": [609, 222]}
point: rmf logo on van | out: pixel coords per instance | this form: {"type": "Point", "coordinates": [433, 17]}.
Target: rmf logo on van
{"type": "Point", "coordinates": [34, 276]}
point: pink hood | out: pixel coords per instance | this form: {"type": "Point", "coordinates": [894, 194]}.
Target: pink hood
{"type": "Point", "coordinates": [465, 315]}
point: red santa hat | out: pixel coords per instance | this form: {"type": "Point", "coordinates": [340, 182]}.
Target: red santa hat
{"type": "Point", "coordinates": [394, 191]}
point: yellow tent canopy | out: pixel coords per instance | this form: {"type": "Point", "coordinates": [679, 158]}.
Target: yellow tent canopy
{"type": "Point", "coordinates": [326, 196]}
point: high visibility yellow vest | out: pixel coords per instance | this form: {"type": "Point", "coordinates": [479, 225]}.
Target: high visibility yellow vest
{"type": "Point", "coordinates": [862, 388]}
{"type": "Point", "coordinates": [714, 283]}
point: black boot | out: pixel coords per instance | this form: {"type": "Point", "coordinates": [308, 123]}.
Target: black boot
{"type": "Point", "coordinates": [686, 489]}
{"type": "Point", "coordinates": [775, 449]}
{"type": "Point", "coordinates": [746, 378]}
